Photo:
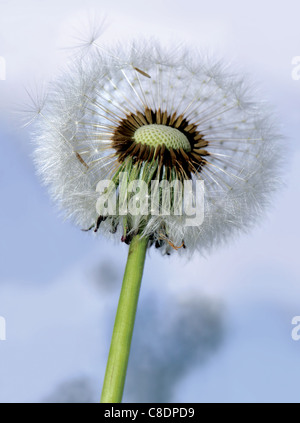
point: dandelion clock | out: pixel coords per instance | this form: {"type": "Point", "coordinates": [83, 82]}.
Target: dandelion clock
{"type": "Point", "coordinates": [158, 148]}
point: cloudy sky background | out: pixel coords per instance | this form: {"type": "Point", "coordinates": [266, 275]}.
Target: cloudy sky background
{"type": "Point", "coordinates": [212, 329]}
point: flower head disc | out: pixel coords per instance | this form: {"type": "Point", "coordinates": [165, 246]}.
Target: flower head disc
{"type": "Point", "coordinates": [154, 135]}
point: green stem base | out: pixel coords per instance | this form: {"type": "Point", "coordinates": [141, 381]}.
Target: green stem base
{"type": "Point", "coordinates": [116, 368]}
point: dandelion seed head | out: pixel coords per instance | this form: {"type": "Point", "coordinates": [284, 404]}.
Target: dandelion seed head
{"type": "Point", "coordinates": [160, 114]}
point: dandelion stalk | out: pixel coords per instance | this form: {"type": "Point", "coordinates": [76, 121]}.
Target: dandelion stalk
{"type": "Point", "coordinates": [116, 368]}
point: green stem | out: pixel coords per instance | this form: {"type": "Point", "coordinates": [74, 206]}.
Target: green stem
{"type": "Point", "coordinates": [122, 333]}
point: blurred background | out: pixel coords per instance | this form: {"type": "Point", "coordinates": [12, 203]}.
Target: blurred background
{"type": "Point", "coordinates": [212, 329]}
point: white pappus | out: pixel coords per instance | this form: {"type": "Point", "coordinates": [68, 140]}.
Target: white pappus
{"type": "Point", "coordinates": [157, 114]}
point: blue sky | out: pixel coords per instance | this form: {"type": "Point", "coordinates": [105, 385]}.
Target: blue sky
{"type": "Point", "coordinates": [59, 286]}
